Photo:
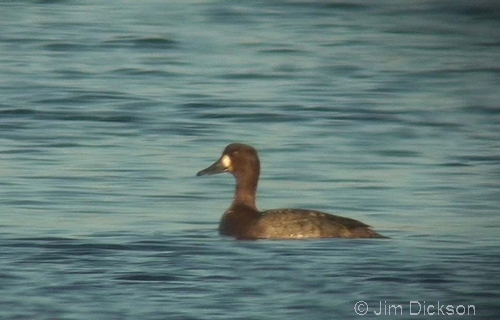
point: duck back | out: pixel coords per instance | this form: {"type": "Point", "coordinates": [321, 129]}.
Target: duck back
{"type": "Point", "coordinates": [300, 223]}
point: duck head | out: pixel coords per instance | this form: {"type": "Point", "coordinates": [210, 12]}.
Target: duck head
{"type": "Point", "coordinates": [239, 159]}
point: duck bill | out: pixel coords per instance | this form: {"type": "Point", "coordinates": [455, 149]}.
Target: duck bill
{"type": "Point", "coordinates": [215, 168]}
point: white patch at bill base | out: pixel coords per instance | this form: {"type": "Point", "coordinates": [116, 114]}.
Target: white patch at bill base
{"type": "Point", "coordinates": [226, 161]}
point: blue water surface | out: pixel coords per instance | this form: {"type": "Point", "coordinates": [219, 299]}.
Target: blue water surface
{"type": "Point", "coordinates": [375, 110]}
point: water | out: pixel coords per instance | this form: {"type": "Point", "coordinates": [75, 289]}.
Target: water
{"type": "Point", "coordinates": [378, 111]}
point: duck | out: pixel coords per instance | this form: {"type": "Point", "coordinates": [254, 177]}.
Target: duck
{"type": "Point", "coordinates": [243, 221]}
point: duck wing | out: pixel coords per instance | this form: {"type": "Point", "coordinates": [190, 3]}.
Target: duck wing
{"type": "Point", "coordinates": [301, 223]}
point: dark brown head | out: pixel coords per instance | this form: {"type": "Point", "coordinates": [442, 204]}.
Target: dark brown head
{"type": "Point", "coordinates": [238, 159]}
{"type": "Point", "coordinates": [243, 162]}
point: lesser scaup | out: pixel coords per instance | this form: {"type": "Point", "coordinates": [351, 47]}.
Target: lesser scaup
{"type": "Point", "coordinates": [244, 221]}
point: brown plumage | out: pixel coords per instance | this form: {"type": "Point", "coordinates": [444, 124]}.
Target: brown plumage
{"type": "Point", "coordinates": [244, 221]}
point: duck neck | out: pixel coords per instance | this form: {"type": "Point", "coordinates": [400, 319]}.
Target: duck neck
{"type": "Point", "coordinates": [246, 190]}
